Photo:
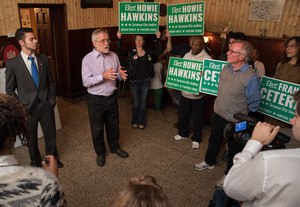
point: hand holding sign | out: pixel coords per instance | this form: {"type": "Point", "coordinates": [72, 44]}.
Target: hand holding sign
{"type": "Point", "coordinates": [119, 35]}
{"type": "Point", "coordinates": [158, 34]}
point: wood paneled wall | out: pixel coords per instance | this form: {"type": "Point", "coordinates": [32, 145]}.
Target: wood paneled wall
{"type": "Point", "coordinates": [220, 12]}
{"type": "Point", "coordinates": [217, 13]}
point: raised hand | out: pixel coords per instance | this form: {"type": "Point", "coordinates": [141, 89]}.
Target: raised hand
{"type": "Point", "coordinates": [158, 34]}
{"type": "Point", "coordinates": [123, 73]}
{"type": "Point", "coordinates": [110, 74]}
{"type": "Point", "coordinates": [119, 35]}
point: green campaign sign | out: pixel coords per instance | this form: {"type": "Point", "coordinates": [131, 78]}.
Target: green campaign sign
{"type": "Point", "coordinates": [184, 75]}
{"type": "Point", "coordinates": [276, 98]}
{"type": "Point", "coordinates": [138, 18]}
{"type": "Point", "coordinates": [210, 79]}
{"type": "Point", "coordinates": [186, 19]}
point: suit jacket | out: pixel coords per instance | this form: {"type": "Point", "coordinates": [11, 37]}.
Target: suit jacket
{"type": "Point", "coordinates": [20, 84]}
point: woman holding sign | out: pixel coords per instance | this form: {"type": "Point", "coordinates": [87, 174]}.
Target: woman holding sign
{"type": "Point", "coordinates": [288, 70]}
{"type": "Point", "coordinates": [140, 70]}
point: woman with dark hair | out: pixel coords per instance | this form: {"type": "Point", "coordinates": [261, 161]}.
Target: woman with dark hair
{"type": "Point", "coordinates": [140, 70]}
{"type": "Point", "coordinates": [292, 55]}
{"type": "Point", "coordinates": [28, 186]}
{"type": "Point", "coordinates": [288, 70]}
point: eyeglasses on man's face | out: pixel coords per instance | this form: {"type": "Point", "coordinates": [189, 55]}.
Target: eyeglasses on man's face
{"type": "Point", "coordinates": [104, 40]}
{"type": "Point", "coordinates": [231, 42]}
{"type": "Point", "coordinates": [231, 51]}
{"type": "Point", "coordinates": [139, 39]}
{"type": "Point", "coordinates": [290, 46]}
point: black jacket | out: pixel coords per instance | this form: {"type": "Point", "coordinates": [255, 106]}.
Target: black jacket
{"type": "Point", "coordinates": [133, 60]}
{"type": "Point", "coordinates": [18, 77]}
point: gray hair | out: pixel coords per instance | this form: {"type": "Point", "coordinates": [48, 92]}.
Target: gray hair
{"type": "Point", "coordinates": [246, 49]}
{"type": "Point", "coordinates": [96, 32]}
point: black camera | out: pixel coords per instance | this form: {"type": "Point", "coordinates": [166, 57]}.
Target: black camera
{"type": "Point", "coordinates": [241, 132]}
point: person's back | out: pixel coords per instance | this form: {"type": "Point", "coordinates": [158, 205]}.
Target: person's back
{"type": "Point", "coordinates": [28, 186]}
{"type": "Point", "coordinates": [268, 178]}
{"type": "Point", "coordinates": [24, 186]}
{"type": "Point", "coordinates": [276, 175]}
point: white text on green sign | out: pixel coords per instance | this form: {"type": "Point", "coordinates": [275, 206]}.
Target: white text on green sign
{"type": "Point", "coordinates": [277, 100]}
{"type": "Point", "coordinates": [210, 80]}
{"type": "Point", "coordinates": [186, 19]}
{"type": "Point", "coordinates": [139, 18]}
{"type": "Point", "coordinates": [184, 75]}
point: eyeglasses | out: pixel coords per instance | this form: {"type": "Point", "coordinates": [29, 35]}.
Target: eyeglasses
{"type": "Point", "coordinates": [290, 46]}
{"type": "Point", "coordinates": [139, 39]}
{"type": "Point", "coordinates": [104, 40]}
{"type": "Point", "coordinates": [231, 51]}
{"type": "Point", "coordinates": [231, 43]}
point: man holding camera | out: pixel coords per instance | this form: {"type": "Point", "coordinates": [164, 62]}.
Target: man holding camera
{"type": "Point", "coordinates": [268, 178]}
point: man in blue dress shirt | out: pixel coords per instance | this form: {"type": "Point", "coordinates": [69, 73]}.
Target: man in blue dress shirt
{"type": "Point", "coordinates": [238, 92]}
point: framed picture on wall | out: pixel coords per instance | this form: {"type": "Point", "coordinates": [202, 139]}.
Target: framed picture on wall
{"type": "Point", "coordinates": [96, 3]}
{"type": "Point", "coordinates": [8, 50]}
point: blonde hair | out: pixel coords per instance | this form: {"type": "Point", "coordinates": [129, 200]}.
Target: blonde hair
{"type": "Point", "coordinates": [141, 192]}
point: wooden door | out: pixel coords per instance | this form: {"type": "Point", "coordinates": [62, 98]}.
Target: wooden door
{"type": "Point", "coordinates": [45, 38]}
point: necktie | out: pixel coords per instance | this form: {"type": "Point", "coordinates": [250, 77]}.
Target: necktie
{"type": "Point", "coordinates": [34, 71]}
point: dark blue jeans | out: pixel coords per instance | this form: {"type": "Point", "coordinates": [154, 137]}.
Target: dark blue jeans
{"type": "Point", "coordinates": [139, 90]}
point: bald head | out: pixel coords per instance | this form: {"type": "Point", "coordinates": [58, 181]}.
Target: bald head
{"type": "Point", "coordinates": [197, 44]}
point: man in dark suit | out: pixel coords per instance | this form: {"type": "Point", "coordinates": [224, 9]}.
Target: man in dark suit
{"type": "Point", "coordinates": [29, 79]}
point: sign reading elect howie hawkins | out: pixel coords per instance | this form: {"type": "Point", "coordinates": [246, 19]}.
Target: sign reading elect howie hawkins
{"type": "Point", "coordinates": [184, 75]}
{"type": "Point", "coordinates": [186, 19]}
{"type": "Point", "coordinates": [138, 18]}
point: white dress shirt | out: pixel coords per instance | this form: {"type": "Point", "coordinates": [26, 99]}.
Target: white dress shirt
{"type": "Point", "coordinates": [156, 80]}
{"type": "Point", "coordinates": [28, 62]}
{"type": "Point", "coordinates": [268, 178]}
{"type": "Point", "coordinates": [259, 68]}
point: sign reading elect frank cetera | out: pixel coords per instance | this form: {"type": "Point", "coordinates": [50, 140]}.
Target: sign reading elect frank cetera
{"type": "Point", "coordinates": [277, 98]}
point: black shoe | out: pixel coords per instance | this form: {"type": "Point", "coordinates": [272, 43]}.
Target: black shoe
{"type": "Point", "coordinates": [100, 160]}
{"type": "Point", "coordinates": [175, 125]}
{"type": "Point", "coordinates": [225, 156]}
{"type": "Point", "coordinates": [59, 164]}
{"type": "Point", "coordinates": [121, 153]}
{"type": "Point", "coordinates": [36, 164]}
